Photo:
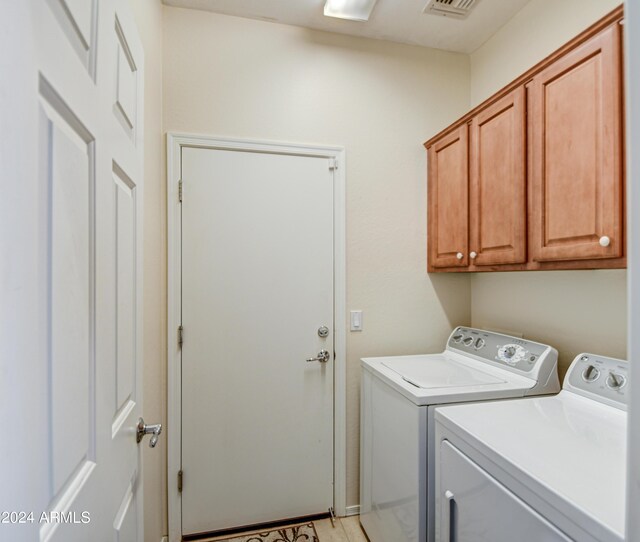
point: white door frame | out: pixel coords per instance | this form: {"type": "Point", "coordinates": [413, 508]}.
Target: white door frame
{"type": "Point", "coordinates": [175, 142]}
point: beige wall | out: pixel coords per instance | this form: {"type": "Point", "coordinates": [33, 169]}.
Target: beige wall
{"type": "Point", "coordinates": [244, 78]}
{"type": "Point", "coordinates": [572, 310]}
{"type": "Point", "coordinates": [148, 17]}
{"type": "Point", "coordinates": [537, 30]}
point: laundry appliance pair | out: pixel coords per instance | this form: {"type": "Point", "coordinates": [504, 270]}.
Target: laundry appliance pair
{"type": "Point", "coordinates": [414, 410]}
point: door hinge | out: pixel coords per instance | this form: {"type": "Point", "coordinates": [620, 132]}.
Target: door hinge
{"type": "Point", "coordinates": [333, 163]}
{"type": "Point", "coordinates": [180, 474]}
{"type": "Point", "coordinates": [180, 336]}
{"type": "Point", "coordinates": [180, 191]}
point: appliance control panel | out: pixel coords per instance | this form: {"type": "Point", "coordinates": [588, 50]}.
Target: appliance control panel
{"type": "Point", "coordinates": [601, 378]}
{"type": "Point", "coordinates": [504, 350]}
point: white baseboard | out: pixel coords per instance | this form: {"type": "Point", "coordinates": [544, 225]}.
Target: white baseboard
{"type": "Point", "coordinates": [352, 510]}
{"type": "Point", "coordinates": [164, 539]}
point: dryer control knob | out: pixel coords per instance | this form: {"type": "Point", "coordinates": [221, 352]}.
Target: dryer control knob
{"type": "Point", "coordinates": [591, 374]}
{"type": "Point", "coordinates": [615, 381]}
{"type": "Point", "coordinates": [468, 341]}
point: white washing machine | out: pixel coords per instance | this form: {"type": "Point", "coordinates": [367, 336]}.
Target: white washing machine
{"type": "Point", "coordinates": [398, 398]}
{"type": "Point", "coordinates": [540, 469]}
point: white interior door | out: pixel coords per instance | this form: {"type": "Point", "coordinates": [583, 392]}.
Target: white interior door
{"type": "Point", "coordinates": [71, 272]}
{"type": "Point", "coordinates": [257, 284]}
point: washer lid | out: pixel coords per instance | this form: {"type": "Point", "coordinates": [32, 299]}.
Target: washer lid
{"type": "Point", "coordinates": [437, 371]}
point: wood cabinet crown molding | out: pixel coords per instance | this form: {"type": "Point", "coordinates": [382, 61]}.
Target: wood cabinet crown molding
{"type": "Point", "coordinates": [615, 16]}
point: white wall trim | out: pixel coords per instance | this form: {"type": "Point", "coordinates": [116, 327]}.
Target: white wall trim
{"type": "Point", "coordinates": [174, 383]}
{"type": "Point", "coordinates": [340, 333]}
{"type": "Point", "coordinates": [175, 142]}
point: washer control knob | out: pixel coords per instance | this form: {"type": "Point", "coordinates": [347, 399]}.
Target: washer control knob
{"type": "Point", "coordinates": [615, 381]}
{"type": "Point", "coordinates": [591, 374]}
{"type": "Point", "coordinates": [511, 353]}
{"type": "Point", "coordinates": [479, 343]}
{"type": "Point", "coordinates": [468, 341]}
{"type": "Point", "coordinates": [457, 338]}
{"type": "Point", "coordinates": [604, 241]}
{"type": "Point", "coordinates": [459, 255]}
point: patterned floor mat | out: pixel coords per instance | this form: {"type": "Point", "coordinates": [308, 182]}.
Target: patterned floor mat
{"type": "Point", "coordinates": [305, 532]}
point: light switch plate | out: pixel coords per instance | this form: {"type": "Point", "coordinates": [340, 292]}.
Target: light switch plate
{"type": "Point", "coordinates": [356, 320]}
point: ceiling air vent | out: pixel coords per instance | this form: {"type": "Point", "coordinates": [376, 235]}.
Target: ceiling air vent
{"type": "Point", "coordinates": [458, 9]}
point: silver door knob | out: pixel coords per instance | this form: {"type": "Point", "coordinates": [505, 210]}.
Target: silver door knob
{"type": "Point", "coordinates": [143, 429]}
{"type": "Point", "coordinates": [459, 255]}
{"type": "Point", "coordinates": [604, 241]}
{"type": "Point", "coordinates": [323, 356]}
{"type": "Point", "coordinates": [473, 255]}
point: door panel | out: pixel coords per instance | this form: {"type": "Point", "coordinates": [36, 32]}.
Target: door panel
{"type": "Point", "coordinates": [498, 182]}
{"type": "Point", "coordinates": [577, 153]}
{"type": "Point", "coordinates": [76, 214]}
{"type": "Point", "coordinates": [448, 205]}
{"type": "Point", "coordinates": [72, 307]}
{"type": "Point", "coordinates": [125, 237]}
{"type": "Point", "coordinates": [257, 283]}
{"type": "Point", "coordinates": [78, 20]}
{"type": "Point", "coordinates": [480, 509]}
{"type": "Point", "coordinates": [125, 525]}
{"type": "Point", "coordinates": [125, 100]}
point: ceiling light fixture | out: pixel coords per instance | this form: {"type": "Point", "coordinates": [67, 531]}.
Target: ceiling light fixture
{"type": "Point", "coordinates": [354, 10]}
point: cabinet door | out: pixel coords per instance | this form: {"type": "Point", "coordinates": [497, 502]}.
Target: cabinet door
{"type": "Point", "coordinates": [498, 207]}
{"type": "Point", "coordinates": [577, 153]}
{"type": "Point", "coordinates": [448, 200]}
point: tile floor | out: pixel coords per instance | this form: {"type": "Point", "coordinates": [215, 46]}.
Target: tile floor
{"type": "Point", "coordinates": [346, 530]}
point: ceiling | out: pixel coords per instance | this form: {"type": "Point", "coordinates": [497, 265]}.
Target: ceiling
{"type": "Point", "coordinates": [392, 20]}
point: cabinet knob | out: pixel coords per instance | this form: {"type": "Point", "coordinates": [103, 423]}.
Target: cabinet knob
{"type": "Point", "coordinates": [473, 255]}
{"type": "Point", "coordinates": [459, 255]}
{"type": "Point", "coordinates": [605, 241]}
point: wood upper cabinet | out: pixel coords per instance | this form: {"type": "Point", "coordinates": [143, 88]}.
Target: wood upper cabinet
{"type": "Point", "coordinates": [477, 190]}
{"type": "Point", "coordinates": [498, 194]}
{"type": "Point", "coordinates": [577, 154]}
{"type": "Point", "coordinates": [448, 200]}
{"type": "Point", "coordinates": [533, 178]}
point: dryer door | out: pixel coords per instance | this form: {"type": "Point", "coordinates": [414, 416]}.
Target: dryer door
{"type": "Point", "coordinates": [474, 507]}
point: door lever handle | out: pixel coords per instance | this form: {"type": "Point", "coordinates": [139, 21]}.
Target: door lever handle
{"type": "Point", "coordinates": [143, 429]}
{"type": "Point", "coordinates": [323, 356]}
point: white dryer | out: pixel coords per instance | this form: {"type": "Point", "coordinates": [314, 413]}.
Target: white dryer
{"type": "Point", "coordinates": [399, 395]}
{"type": "Point", "coordinates": [545, 468]}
